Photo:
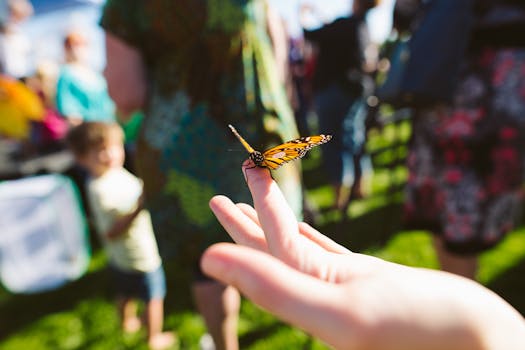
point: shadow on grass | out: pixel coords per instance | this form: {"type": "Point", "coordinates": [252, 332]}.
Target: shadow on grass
{"type": "Point", "coordinates": [511, 286]}
{"type": "Point", "coordinates": [18, 310]}
{"type": "Point", "coordinates": [252, 337]}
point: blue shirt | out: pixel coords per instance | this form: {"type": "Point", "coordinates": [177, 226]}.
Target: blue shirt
{"type": "Point", "coordinates": [82, 92]}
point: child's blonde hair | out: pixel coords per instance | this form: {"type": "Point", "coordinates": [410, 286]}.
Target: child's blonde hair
{"type": "Point", "coordinates": [92, 135]}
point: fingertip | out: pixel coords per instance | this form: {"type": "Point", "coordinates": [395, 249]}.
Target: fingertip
{"type": "Point", "coordinates": [212, 262]}
{"type": "Point", "coordinates": [218, 204]}
{"type": "Point", "coordinates": [229, 263]}
{"type": "Point", "coordinates": [248, 163]}
{"type": "Point", "coordinates": [217, 200]}
{"type": "Point", "coordinates": [256, 177]}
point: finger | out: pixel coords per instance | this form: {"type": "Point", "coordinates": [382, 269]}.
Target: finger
{"type": "Point", "coordinates": [304, 229]}
{"type": "Point", "coordinates": [310, 255]}
{"type": "Point", "coordinates": [250, 212]}
{"type": "Point", "coordinates": [290, 295]}
{"type": "Point", "coordinates": [240, 227]}
{"type": "Point", "coordinates": [275, 215]}
{"type": "Point", "coordinates": [318, 238]}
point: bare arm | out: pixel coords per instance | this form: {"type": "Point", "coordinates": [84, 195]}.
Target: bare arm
{"type": "Point", "coordinates": [121, 225]}
{"type": "Point", "coordinates": [126, 76]}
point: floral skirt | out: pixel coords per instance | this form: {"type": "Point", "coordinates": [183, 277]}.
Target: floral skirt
{"type": "Point", "coordinates": [466, 161]}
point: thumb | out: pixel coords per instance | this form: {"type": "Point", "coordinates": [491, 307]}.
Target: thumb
{"type": "Point", "coordinates": [294, 297]}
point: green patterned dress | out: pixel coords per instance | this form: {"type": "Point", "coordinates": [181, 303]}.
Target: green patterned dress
{"type": "Point", "coordinates": [209, 64]}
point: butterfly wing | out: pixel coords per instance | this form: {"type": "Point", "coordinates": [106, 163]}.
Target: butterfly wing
{"type": "Point", "coordinates": [294, 149]}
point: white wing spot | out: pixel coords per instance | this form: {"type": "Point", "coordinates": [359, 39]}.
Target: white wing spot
{"type": "Point", "coordinates": [279, 155]}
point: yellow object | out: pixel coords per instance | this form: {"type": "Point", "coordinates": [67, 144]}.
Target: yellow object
{"type": "Point", "coordinates": [18, 106]}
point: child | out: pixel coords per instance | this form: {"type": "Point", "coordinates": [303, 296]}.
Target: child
{"type": "Point", "coordinates": [115, 199]}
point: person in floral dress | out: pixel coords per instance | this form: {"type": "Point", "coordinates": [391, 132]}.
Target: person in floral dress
{"type": "Point", "coordinates": [466, 160]}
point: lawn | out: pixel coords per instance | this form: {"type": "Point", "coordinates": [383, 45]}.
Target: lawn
{"type": "Point", "coordinates": [81, 315]}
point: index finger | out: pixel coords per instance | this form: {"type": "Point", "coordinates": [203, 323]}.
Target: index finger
{"type": "Point", "coordinates": [277, 219]}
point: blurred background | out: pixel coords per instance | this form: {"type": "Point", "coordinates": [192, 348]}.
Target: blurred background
{"type": "Point", "coordinates": [76, 310]}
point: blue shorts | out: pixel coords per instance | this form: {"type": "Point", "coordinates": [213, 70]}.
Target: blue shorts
{"type": "Point", "coordinates": [137, 284]}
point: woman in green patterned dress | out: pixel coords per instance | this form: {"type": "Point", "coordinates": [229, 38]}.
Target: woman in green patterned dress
{"type": "Point", "coordinates": [195, 66]}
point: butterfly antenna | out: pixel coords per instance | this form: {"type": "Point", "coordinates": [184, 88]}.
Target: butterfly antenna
{"type": "Point", "coordinates": [243, 141]}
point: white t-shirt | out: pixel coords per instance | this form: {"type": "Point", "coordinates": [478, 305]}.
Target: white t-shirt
{"type": "Point", "coordinates": [15, 54]}
{"type": "Point", "coordinates": [114, 195]}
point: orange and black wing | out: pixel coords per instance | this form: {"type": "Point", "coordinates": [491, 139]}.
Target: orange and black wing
{"type": "Point", "coordinates": [294, 149]}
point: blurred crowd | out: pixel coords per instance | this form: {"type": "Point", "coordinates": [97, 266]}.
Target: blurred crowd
{"type": "Point", "coordinates": [178, 73]}
{"type": "Point", "coordinates": [62, 91]}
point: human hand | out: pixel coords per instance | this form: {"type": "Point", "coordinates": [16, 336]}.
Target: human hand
{"type": "Point", "coordinates": [349, 300]}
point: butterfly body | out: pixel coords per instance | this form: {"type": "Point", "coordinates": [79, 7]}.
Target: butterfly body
{"type": "Point", "coordinates": [276, 156]}
{"type": "Point", "coordinates": [257, 158]}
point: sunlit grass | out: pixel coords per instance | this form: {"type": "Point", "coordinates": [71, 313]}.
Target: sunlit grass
{"type": "Point", "coordinates": [83, 315]}
{"type": "Point", "coordinates": [507, 254]}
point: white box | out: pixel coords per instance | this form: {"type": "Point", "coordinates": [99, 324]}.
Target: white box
{"type": "Point", "coordinates": [43, 234]}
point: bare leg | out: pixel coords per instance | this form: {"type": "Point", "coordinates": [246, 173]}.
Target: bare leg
{"type": "Point", "coordinates": [356, 192]}
{"type": "Point", "coordinates": [155, 318]}
{"type": "Point", "coordinates": [219, 306]}
{"type": "Point", "coordinates": [465, 266]}
{"type": "Point", "coordinates": [128, 314]}
{"type": "Point", "coordinates": [342, 193]}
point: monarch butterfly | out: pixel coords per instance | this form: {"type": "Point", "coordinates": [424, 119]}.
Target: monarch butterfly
{"type": "Point", "coordinates": [276, 156]}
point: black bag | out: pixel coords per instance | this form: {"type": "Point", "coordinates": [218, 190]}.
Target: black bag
{"type": "Point", "coordinates": [424, 70]}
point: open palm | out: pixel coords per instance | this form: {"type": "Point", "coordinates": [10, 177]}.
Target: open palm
{"type": "Point", "coordinates": [349, 300]}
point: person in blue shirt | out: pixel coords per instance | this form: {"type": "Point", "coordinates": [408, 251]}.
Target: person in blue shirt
{"type": "Point", "coordinates": [82, 93]}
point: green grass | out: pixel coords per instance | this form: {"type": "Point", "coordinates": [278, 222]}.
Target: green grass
{"type": "Point", "coordinates": [82, 315]}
